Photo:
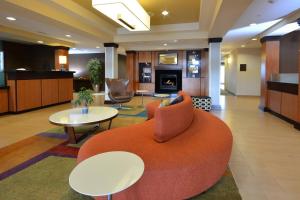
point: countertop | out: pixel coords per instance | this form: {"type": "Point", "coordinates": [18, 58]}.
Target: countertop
{"type": "Point", "coordinates": [291, 88]}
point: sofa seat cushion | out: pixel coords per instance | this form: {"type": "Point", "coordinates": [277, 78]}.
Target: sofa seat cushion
{"type": "Point", "coordinates": [172, 120]}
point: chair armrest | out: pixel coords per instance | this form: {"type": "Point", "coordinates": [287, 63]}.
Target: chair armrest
{"type": "Point", "coordinates": [151, 107]}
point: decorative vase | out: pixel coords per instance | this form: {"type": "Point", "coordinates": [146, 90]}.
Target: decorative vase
{"type": "Point", "coordinates": [85, 110]}
{"type": "Point", "coordinates": [96, 88]}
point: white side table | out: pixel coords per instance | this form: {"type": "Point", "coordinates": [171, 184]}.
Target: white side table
{"type": "Point", "coordinates": [142, 92]}
{"type": "Point", "coordinates": [106, 173]}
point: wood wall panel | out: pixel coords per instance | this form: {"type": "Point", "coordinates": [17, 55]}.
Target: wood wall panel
{"type": "Point", "coordinates": [274, 101]}
{"type": "Point", "coordinates": [204, 87]}
{"type": "Point", "coordinates": [144, 57]}
{"type": "Point", "coordinates": [289, 106]}
{"type": "Point", "coordinates": [65, 89]}
{"type": "Point", "coordinates": [195, 87]}
{"type": "Point", "coordinates": [269, 65]}
{"type": "Point", "coordinates": [204, 63]}
{"type": "Point", "coordinates": [130, 68]}
{"type": "Point", "coordinates": [49, 91]}
{"type": "Point", "coordinates": [3, 100]}
{"type": "Point", "coordinates": [146, 86]}
{"type": "Point", "coordinates": [28, 94]}
{"type": "Point", "coordinates": [12, 104]}
{"type": "Point", "coordinates": [191, 86]}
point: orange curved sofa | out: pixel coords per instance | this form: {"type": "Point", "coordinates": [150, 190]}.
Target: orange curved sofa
{"type": "Point", "coordinates": [182, 167]}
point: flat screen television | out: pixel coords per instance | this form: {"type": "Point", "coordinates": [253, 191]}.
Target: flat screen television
{"type": "Point", "coordinates": [167, 58]}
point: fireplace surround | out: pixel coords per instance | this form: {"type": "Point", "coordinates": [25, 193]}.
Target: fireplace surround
{"type": "Point", "coordinates": [168, 81]}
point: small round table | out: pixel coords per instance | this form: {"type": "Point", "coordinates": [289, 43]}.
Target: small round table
{"type": "Point", "coordinates": [107, 173]}
{"type": "Point", "coordinates": [73, 118]}
{"type": "Point", "coordinates": [161, 96]}
{"type": "Point", "coordinates": [142, 92]}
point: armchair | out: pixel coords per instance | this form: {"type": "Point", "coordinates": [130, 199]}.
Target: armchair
{"type": "Point", "coordinates": [118, 91]}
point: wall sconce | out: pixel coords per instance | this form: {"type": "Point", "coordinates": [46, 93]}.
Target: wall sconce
{"type": "Point", "coordinates": [62, 60]}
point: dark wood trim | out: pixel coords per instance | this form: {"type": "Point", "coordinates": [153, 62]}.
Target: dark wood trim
{"type": "Point", "coordinates": [131, 51]}
{"type": "Point", "coordinates": [270, 38]}
{"type": "Point", "coordinates": [62, 47]}
{"type": "Point", "coordinates": [296, 124]}
{"type": "Point", "coordinates": [30, 75]}
{"type": "Point", "coordinates": [38, 108]}
{"type": "Point", "coordinates": [111, 45]}
{"type": "Point", "coordinates": [283, 87]}
{"type": "Point", "coordinates": [4, 87]}
{"type": "Point", "coordinates": [215, 40]}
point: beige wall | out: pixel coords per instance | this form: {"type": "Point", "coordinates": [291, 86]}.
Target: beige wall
{"type": "Point", "coordinates": [243, 82]}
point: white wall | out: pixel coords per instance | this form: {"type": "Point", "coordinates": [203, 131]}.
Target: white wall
{"type": "Point", "coordinates": [243, 82]}
{"type": "Point", "coordinates": [230, 72]}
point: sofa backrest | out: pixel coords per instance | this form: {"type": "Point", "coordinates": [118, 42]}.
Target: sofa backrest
{"type": "Point", "coordinates": [172, 120]}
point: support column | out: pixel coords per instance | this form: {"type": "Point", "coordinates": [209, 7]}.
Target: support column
{"type": "Point", "coordinates": [214, 67]}
{"type": "Point", "coordinates": [111, 63]}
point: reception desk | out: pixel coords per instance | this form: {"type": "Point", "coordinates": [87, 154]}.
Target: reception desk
{"type": "Point", "coordinates": [35, 89]}
{"type": "Point", "coordinates": [283, 99]}
{"type": "Point", "coordinates": [3, 99]}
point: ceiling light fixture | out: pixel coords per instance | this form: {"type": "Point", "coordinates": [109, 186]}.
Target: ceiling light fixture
{"type": "Point", "coordinates": [252, 24]}
{"type": "Point", "coordinates": [129, 14]}
{"type": "Point", "coordinates": [11, 18]}
{"type": "Point", "coordinates": [243, 46]}
{"type": "Point", "coordinates": [254, 39]}
{"type": "Point", "coordinates": [175, 40]}
{"type": "Point", "coordinates": [165, 13]}
{"type": "Point", "coordinates": [40, 42]}
{"type": "Point", "coordinates": [68, 35]}
{"type": "Point", "coordinates": [97, 47]}
{"type": "Point", "coordinates": [165, 44]}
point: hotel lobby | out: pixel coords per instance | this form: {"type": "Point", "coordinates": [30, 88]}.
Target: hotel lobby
{"type": "Point", "coordinates": [149, 100]}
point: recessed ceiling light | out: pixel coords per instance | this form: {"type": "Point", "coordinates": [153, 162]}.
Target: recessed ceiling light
{"type": "Point", "coordinates": [165, 44]}
{"type": "Point", "coordinates": [252, 24]}
{"type": "Point", "coordinates": [40, 42]}
{"type": "Point", "coordinates": [243, 45]}
{"type": "Point", "coordinates": [254, 39]}
{"type": "Point", "coordinates": [11, 18]}
{"type": "Point", "coordinates": [97, 47]}
{"type": "Point", "coordinates": [68, 35]}
{"type": "Point", "coordinates": [74, 48]}
{"type": "Point", "coordinates": [175, 40]}
{"type": "Point", "coordinates": [165, 13]}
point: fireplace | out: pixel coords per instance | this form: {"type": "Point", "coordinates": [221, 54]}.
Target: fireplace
{"type": "Point", "coordinates": [168, 81]}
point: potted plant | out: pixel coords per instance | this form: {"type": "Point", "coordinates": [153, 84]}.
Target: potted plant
{"type": "Point", "coordinates": [85, 98]}
{"type": "Point", "coordinates": [95, 66]}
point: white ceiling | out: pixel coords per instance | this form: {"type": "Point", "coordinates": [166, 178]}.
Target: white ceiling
{"type": "Point", "coordinates": [51, 20]}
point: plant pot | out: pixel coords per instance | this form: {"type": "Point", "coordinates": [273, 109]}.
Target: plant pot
{"type": "Point", "coordinates": [96, 88]}
{"type": "Point", "coordinates": [85, 110]}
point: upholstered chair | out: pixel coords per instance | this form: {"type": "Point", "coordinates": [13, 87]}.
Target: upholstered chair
{"type": "Point", "coordinates": [118, 91]}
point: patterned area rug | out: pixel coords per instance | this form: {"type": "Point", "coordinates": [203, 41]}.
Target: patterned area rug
{"type": "Point", "coordinates": [46, 176]}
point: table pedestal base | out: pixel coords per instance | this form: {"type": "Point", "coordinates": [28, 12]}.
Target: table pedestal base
{"type": "Point", "coordinates": [70, 131]}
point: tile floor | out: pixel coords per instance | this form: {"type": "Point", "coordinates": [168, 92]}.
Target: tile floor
{"type": "Point", "coordinates": [266, 154]}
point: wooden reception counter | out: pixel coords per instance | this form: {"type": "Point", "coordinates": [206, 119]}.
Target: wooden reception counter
{"type": "Point", "coordinates": [283, 99]}
{"type": "Point", "coordinates": [34, 89]}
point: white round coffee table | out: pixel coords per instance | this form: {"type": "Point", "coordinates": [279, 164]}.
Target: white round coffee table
{"type": "Point", "coordinates": [106, 174]}
{"type": "Point", "coordinates": [73, 118]}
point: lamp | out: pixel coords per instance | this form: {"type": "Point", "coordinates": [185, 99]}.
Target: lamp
{"type": "Point", "coordinates": [128, 13]}
{"type": "Point", "coordinates": [62, 60]}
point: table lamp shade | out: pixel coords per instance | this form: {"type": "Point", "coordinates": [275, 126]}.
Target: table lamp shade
{"type": "Point", "coordinates": [62, 60]}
